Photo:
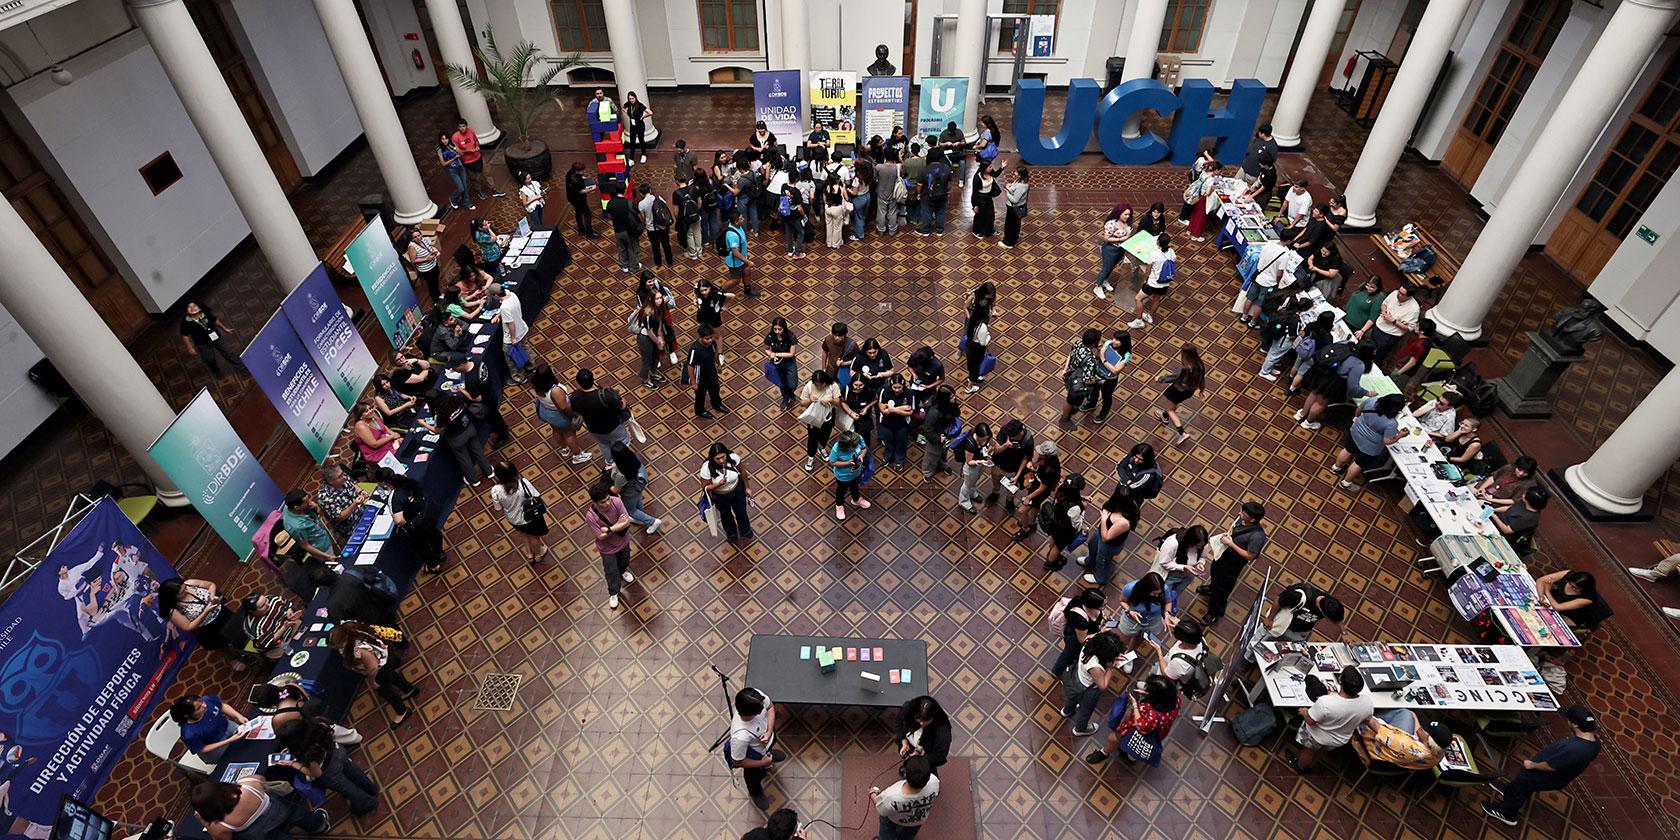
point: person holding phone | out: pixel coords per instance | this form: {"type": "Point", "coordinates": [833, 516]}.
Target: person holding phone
{"type": "Point", "coordinates": [316, 757]}
{"type": "Point", "coordinates": [924, 729]}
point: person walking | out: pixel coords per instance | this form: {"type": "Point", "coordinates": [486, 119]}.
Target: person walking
{"type": "Point", "coordinates": [819, 399]}
{"type": "Point", "coordinates": [1079, 375]}
{"type": "Point", "coordinates": [1233, 550]}
{"type": "Point", "coordinates": [781, 349]}
{"type": "Point", "coordinates": [578, 189]}
{"type": "Point", "coordinates": [1163, 269]}
{"type": "Point", "coordinates": [1189, 381]}
{"type": "Point", "coordinates": [1015, 191]}
{"type": "Point", "coordinates": [609, 522]}
{"type": "Point", "coordinates": [636, 114]}
{"type": "Point", "coordinates": [449, 158]}
{"type": "Point", "coordinates": [628, 476]}
{"type": "Point", "coordinates": [366, 652]}
{"type": "Point", "coordinates": [983, 195]}
{"type": "Point", "coordinates": [523, 506]}
{"type": "Point", "coordinates": [846, 459]}
{"type": "Point", "coordinates": [202, 332]}
{"type": "Point", "coordinates": [726, 487]}
{"type": "Point", "coordinates": [531, 192]}
{"type": "Point", "coordinates": [977, 333]}
{"type": "Point", "coordinates": [703, 363]}
{"type": "Point", "coordinates": [1553, 768]}
{"type": "Point", "coordinates": [1116, 229]}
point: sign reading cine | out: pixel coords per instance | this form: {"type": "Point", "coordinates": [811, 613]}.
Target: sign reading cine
{"type": "Point", "coordinates": [1195, 119]}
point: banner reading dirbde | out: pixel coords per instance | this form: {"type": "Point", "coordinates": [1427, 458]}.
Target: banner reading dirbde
{"type": "Point", "coordinates": [84, 656]}
{"type": "Point", "coordinates": [886, 103]}
{"type": "Point", "coordinates": [380, 272]}
{"type": "Point", "coordinates": [330, 336]}
{"type": "Point", "coordinates": [834, 104]}
{"type": "Point", "coordinates": [776, 101]}
{"type": "Point", "coordinates": [944, 100]}
{"type": "Point", "coordinates": [204, 456]}
{"type": "Point", "coordinates": [282, 367]}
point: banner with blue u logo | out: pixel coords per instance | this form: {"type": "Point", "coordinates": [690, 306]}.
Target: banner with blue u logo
{"type": "Point", "coordinates": [944, 100]}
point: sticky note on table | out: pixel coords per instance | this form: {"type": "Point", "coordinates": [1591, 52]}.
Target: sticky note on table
{"type": "Point", "coordinates": [892, 677]}
{"type": "Point", "coordinates": [805, 652]}
{"type": "Point", "coordinates": [904, 675]}
{"type": "Point", "coordinates": [879, 656]}
{"type": "Point", "coordinates": [837, 652]}
{"type": "Point", "coordinates": [851, 654]}
{"type": "Point", "coordinates": [863, 653]}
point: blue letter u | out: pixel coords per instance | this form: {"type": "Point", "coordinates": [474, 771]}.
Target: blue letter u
{"type": "Point", "coordinates": [1063, 148]}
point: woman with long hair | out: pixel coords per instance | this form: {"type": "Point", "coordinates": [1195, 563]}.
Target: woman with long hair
{"type": "Point", "coordinates": [725, 484]}
{"type": "Point", "coordinates": [983, 195]}
{"type": "Point", "coordinates": [1143, 610]}
{"type": "Point", "coordinates": [1189, 381]}
{"type": "Point", "coordinates": [1119, 515]}
{"type": "Point", "coordinates": [1150, 711]}
{"type": "Point", "coordinates": [374, 440]}
{"type": "Point", "coordinates": [1327, 385]}
{"type": "Point", "coordinates": [629, 477]}
{"type": "Point", "coordinates": [489, 243]}
{"type": "Point", "coordinates": [834, 209]}
{"type": "Point", "coordinates": [1198, 192]}
{"type": "Point", "coordinates": [1113, 356]}
{"type": "Point", "coordinates": [924, 729]}
{"type": "Point", "coordinates": [636, 115]}
{"type": "Point", "coordinates": [1092, 674]}
{"type": "Point", "coordinates": [1082, 618]}
{"type": "Point", "coordinates": [396, 407]}
{"type": "Point", "coordinates": [941, 412]}
{"type": "Point", "coordinates": [650, 341]}
{"type": "Point", "coordinates": [781, 348]}
{"type": "Point", "coordinates": [520, 503]}
{"type": "Point", "coordinates": [977, 332]}
{"type": "Point", "coordinates": [577, 195]}
{"type": "Point", "coordinates": [1064, 521]}
{"type": "Point", "coordinates": [1014, 205]}
{"type": "Point", "coordinates": [366, 653]}
{"type": "Point", "coordinates": [897, 405]}
{"type": "Point", "coordinates": [1039, 478]}
{"type": "Point", "coordinates": [323, 762]}
{"type": "Point", "coordinates": [1154, 219]}
{"type": "Point", "coordinates": [246, 809]}
{"type": "Point", "coordinates": [1116, 229]}
{"type": "Point", "coordinates": [554, 407]}
{"type": "Point", "coordinates": [1181, 558]}
{"type": "Point", "coordinates": [449, 158]}
{"type": "Point", "coordinates": [197, 607]}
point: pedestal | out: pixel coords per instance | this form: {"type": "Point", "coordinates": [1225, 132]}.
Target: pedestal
{"type": "Point", "coordinates": [1525, 392]}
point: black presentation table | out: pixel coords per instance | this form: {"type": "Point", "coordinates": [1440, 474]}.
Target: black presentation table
{"type": "Point", "coordinates": [774, 666]}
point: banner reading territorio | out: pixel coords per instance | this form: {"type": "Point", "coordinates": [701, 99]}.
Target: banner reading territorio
{"type": "Point", "coordinates": [284, 370]}
{"type": "Point", "coordinates": [379, 271]}
{"type": "Point", "coordinates": [944, 100]}
{"type": "Point", "coordinates": [84, 656]}
{"type": "Point", "coordinates": [777, 101]}
{"type": "Point", "coordinates": [204, 456]}
{"type": "Point", "coordinates": [834, 104]}
{"type": "Point", "coordinates": [330, 336]}
{"type": "Point", "coordinates": [886, 103]}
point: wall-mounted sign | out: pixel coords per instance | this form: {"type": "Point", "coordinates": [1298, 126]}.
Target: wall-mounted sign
{"type": "Point", "coordinates": [1195, 120]}
{"type": "Point", "coordinates": [1645, 233]}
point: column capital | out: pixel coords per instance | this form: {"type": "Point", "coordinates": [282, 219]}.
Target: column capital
{"type": "Point", "coordinates": [142, 4]}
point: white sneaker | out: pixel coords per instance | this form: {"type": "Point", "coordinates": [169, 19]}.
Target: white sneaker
{"type": "Point", "coordinates": [1645, 574]}
{"type": "Point", "coordinates": [1671, 612]}
{"type": "Point", "coordinates": [1137, 324]}
{"type": "Point", "coordinates": [1148, 318]}
{"type": "Point", "coordinates": [627, 577]}
{"type": "Point", "coordinates": [1348, 486]}
{"type": "Point", "coordinates": [1090, 579]}
{"type": "Point", "coordinates": [1107, 286]}
{"type": "Point", "coordinates": [810, 463]}
{"type": "Point", "coordinates": [1268, 376]}
{"type": "Point", "coordinates": [582, 458]}
{"type": "Point", "coordinates": [612, 602]}
{"type": "Point", "coordinates": [972, 389]}
{"type": "Point", "coordinates": [1097, 290]}
{"type": "Point", "coordinates": [644, 159]}
{"type": "Point", "coordinates": [1301, 414]}
{"type": "Point", "coordinates": [1311, 427]}
{"type": "Point", "coordinates": [653, 527]}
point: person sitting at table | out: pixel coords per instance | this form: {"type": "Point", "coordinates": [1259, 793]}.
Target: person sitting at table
{"type": "Point", "coordinates": [1519, 521]}
{"type": "Point", "coordinates": [1439, 417]}
{"type": "Point", "coordinates": [367, 654]}
{"type": "Point", "coordinates": [208, 725]}
{"type": "Point", "coordinates": [1326, 270]}
{"type": "Point", "coordinates": [925, 730]}
{"type": "Point", "coordinates": [372, 438]}
{"type": "Point", "coordinates": [1314, 233]}
{"type": "Point", "coordinates": [288, 701]}
{"type": "Point", "coordinates": [395, 407]}
{"type": "Point", "coordinates": [1365, 446]}
{"type": "Point", "coordinates": [1333, 719]}
{"type": "Point", "coordinates": [340, 500]}
{"type": "Point", "coordinates": [246, 810]}
{"type": "Point", "coordinates": [456, 305]}
{"type": "Point", "coordinates": [197, 607]}
{"type": "Point", "coordinates": [1506, 485]}
{"type": "Point", "coordinates": [411, 375]}
{"type": "Point", "coordinates": [318, 758]}
{"type": "Point", "coordinates": [1462, 445]}
{"type": "Point", "coordinates": [1399, 738]}
{"type": "Point", "coordinates": [302, 521]}
{"type": "Point", "coordinates": [450, 341]}
{"type": "Point", "coordinates": [1299, 609]}
{"type": "Point", "coordinates": [1148, 712]}
{"type": "Point", "coordinates": [817, 143]}
{"type": "Point", "coordinates": [1574, 595]}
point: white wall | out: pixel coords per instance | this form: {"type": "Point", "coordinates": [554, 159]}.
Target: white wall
{"type": "Point", "coordinates": [390, 24]}
{"type": "Point", "coordinates": [1373, 29]}
{"type": "Point", "coordinates": [289, 56]}
{"type": "Point", "coordinates": [1639, 283]}
{"type": "Point", "coordinates": [58, 34]}
{"type": "Point", "coordinates": [1478, 40]}
{"type": "Point", "coordinates": [23, 405]}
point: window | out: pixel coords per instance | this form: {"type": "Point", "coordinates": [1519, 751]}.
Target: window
{"type": "Point", "coordinates": [1514, 67]}
{"type": "Point", "coordinates": [581, 25]}
{"type": "Point", "coordinates": [729, 25]}
{"type": "Point", "coordinates": [1640, 163]}
{"type": "Point", "coordinates": [1007, 28]}
{"type": "Point", "coordinates": [729, 77]}
{"type": "Point", "coordinates": [161, 173]}
{"type": "Point", "coordinates": [1185, 22]}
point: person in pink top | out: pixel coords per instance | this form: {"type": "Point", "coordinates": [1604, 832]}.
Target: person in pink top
{"type": "Point", "coordinates": [466, 142]}
{"type": "Point", "coordinates": [373, 438]}
{"type": "Point", "coordinates": [610, 523]}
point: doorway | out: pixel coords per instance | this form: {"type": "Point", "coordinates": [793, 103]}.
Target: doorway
{"type": "Point", "coordinates": [213, 27]}
{"type": "Point", "coordinates": [1513, 69]}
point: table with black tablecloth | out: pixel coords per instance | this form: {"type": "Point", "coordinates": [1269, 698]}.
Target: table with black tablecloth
{"type": "Point", "coordinates": [775, 667]}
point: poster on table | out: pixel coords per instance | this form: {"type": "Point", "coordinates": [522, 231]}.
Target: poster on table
{"type": "Point", "coordinates": [886, 103]}
{"type": "Point", "coordinates": [286, 373]}
{"type": "Point", "coordinates": [834, 104]}
{"type": "Point", "coordinates": [330, 336]}
{"type": "Point", "coordinates": [84, 656]}
{"type": "Point", "coordinates": [944, 100]}
{"type": "Point", "coordinates": [777, 101]}
{"type": "Point", "coordinates": [204, 456]}
{"type": "Point", "coordinates": [373, 259]}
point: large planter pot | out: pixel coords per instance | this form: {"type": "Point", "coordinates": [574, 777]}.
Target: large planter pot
{"type": "Point", "coordinates": [532, 157]}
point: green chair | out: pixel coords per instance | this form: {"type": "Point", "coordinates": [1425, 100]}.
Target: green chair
{"type": "Point", "coordinates": [1454, 780]}
{"type": "Point", "coordinates": [1507, 726]}
{"type": "Point", "coordinates": [137, 508]}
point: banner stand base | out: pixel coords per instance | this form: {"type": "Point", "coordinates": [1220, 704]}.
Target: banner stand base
{"type": "Point", "coordinates": [26, 558]}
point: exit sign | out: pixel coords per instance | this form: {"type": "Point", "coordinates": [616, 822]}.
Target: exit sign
{"type": "Point", "coordinates": [1645, 233]}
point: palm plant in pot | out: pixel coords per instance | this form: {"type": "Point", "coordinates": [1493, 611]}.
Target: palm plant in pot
{"type": "Point", "coordinates": [519, 97]}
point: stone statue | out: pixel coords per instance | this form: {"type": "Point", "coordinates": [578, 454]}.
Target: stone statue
{"type": "Point", "coordinates": [882, 67]}
{"type": "Point", "coordinates": [1573, 328]}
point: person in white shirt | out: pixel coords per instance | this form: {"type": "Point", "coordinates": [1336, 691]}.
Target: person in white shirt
{"type": "Point", "coordinates": [1333, 719]}
{"type": "Point", "coordinates": [514, 329]}
{"type": "Point", "coordinates": [1397, 319]}
{"type": "Point", "coordinates": [1297, 205]}
{"type": "Point", "coordinates": [1179, 660]}
{"type": "Point", "coordinates": [752, 736]}
{"type": "Point", "coordinates": [1163, 267]}
{"type": "Point", "coordinates": [1438, 418]}
{"type": "Point", "coordinates": [904, 805]}
{"type": "Point", "coordinates": [531, 192]}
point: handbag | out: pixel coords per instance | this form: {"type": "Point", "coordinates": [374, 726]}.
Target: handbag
{"type": "Point", "coordinates": [637, 431]}
{"type": "Point", "coordinates": [815, 415]}
{"type": "Point", "coordinates": [520, 357]}
{"type": "Point", "coordinates": [983, 334]}
{"type": "Point", "coordinates": [988, 364]}
{"type": "Point", "coordinates": [773, 373]}
{"type": "Point", "coordinates": [709, 512]}
{"type": "Point", "coordinates": [868, 467]}
{"type": "Point", "coordinates": [1140, 747]}
{"type": "Point", "coordinates": [843, 421]}
{"type": "Point", "coordinates": [532, 506]}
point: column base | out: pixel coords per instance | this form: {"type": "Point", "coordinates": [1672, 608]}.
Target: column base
{"type": "Point", "coordinates": [1468, 333]}
{"type": "Point", "coordinates": [1594, 504]}
{"type": "Point", "coordinates": [172, 498]}
{"type": "Point", "coordinates": [409, 217]}
{"type": "Point", "coordinates": [1289, 144]}
{"type": "Point", "coordinates": [491, 137]}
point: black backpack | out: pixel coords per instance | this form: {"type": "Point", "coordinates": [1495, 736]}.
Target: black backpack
{"type": "Point", "coordinates": [1329, 357]}
{"type": "Point", "coordinates": [721, 244]}
{"type": "Point", "coordinates": [690, 209]}
{"type": "Point", "coordinates": [661, 214]}
{"type": "Point", "coordinates": [1204, 669]}
{"type": "Point", "coordinates": [938, 183]}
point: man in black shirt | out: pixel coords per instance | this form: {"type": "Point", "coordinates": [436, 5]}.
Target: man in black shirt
{"type": "Point", "coordinates": [1237, 548]}
{"type": "Point", "coordinates": [1263, 146]}
{"type": "Point", "coordinates": [936, 192]}
{"type": "Point", "coordinates": [1551, 769]}
{"type": "Point", "coordinates": [602, 410]}
{"type": "Point", "coordinates": [951, 144]}
{"type": "Point", "coordinates": [703, 364]}
{"type": "Point", "coordinates": [1300, 608]}
{"type": "Point", "coordinates": [1264, 181]}
{"type": "Point", "coordinates": [627, 231]}
{"type": "Point", "coordinates": [202, 332]}
{"type": "Point", "coordinates": [484, 402]}
{"type": "Point", "coordinates": [449, 340]}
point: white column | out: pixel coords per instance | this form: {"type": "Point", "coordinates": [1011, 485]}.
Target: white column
{"type": "Point", "coordinates": [360, 69]}
{"type": "Point", "coordinates": [451, 34]}
{"type": "Point", "coordinates": [1304, 69]}
{"type": "Point", "coordinates": [796, 39]}
{"type": "Point", "coordinates": [628, 69]}
{"type": "Point", "coordinates": [968, 56]}
{"type": "Point", "coordinates": [211, 107]}
{"type": "Point", "coordinates": [1400, 110]}
{"type": "Point", "coordinates": [1634, 32]}
{"type": "Point", "coordinates": [1637, 454]}
{"type": "Point", "coordinates": [1142, 43]}
{"type": "Point", "coordinates": [49, 307]}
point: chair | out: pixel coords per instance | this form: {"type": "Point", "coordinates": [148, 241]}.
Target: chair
{"type": "Point", "coordinates": [1389, 471]}
{"type": "Point", "coordinates": [136, 501]}
{"type": "Point", "coordinates": [1502, 725]}
{"type": "Point", "coordinates": [161, 740]}
{"type": "Point", "coordinates": [137, 508]}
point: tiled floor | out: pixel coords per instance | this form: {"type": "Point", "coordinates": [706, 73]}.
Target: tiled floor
{"type": "Point", "coordinates": [609, 736]}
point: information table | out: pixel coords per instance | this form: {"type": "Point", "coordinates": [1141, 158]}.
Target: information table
{"type": "Point", "coordinates": [1509, 594]}
{"type": "Point", "coordinates": [1481, 677]}
{"type": "Point", "coordinates": [1455, 510]}
{"type": "Point", "coordinates": [1245, 221]}
{"type": "Point", "coordinates": [786, 668]}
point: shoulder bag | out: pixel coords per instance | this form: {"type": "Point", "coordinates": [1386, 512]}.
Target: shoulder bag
{"type": "Point", "coordinates": [532, 505]}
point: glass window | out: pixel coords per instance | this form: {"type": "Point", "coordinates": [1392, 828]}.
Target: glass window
{"type": "Point", "coordinates": [1185, 22]}
{"type": "Point", "coordinates": [729, 25]}
{"type": "Point", "coordinates": [1008, 28]}
{"type": "Point", "coordinates": [581, 25]}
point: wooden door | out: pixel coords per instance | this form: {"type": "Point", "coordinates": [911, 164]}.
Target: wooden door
{"type": "Point", "coordinates": [1513, 69]}
{"type": "Point", "coordinates": [907, 60]}
{"type": "Point", "coordinates": [212, 26]}
{"type": "Point", "coordinates": [44, 208]}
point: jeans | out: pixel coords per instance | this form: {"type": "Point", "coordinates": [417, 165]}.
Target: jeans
{"type": "Point", "coordinates": [1111, 256]}
{"type": "Point", "coordinates": [629, 249]}
{"type": "Point", "coordinates": [860, 215]}
{"type": "Point", "coordinates": [1069, 654]}
{"type": "Point", "coordinates": [1275, 353]}
{"type": "Point", "coordinates": [1522, 788]}
{"type": "Point", "coordinates": [613, 566]}
{"type": "Point", "coordinates": [754, 776]}
{"type": "Point", "coordinates": [788, 370]}
{"type": "Point", "coordinates": [794, 231]}
{"type": "Point", "coordinates": [649, 352]}
{"type": "Point", "coordinates": [604, 442]}
{"type": "Point", "coordinates": [969, 490]}
{"type": "Point", "coordinates": [458, 179]}
{"type": "Point", "coordinates": [659, 242]}
{"type": "Point", "coordinates": [284, 812]}
{"type": "Point", "coordinates": [710, 223]}
{"type": "Point", "coordinates": [749, 214]}
{"type": "Point", "coordinates": [1401, 718]}
{"type": "Point", "coordinates": [631, 495]}
{"type": "Point", "coordinates": [1102, 554]}
{"type": "Point", "coordinates": [886, 216]}
{"type": "Point", "coordinates": [933, 219]}
{"type": "Point", "coordinates": [732, 510]}
{"type": "Point", "coordinates": [842, 489]}
{"type": "Point", "coordinates": [341, 774]}
{"type": "Point", "coordinates": [973, 355]}
{"type": "Point", "coordinates": [1078, 700]}
{"type": "Point", "coordinates": [890, 830]}
{"type": "Point", "coordinates": [897, 443]}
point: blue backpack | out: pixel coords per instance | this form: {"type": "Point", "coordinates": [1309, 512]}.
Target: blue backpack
{"type": "Point", "coordinates": [1169, 272]}
{"type": "Point", "coordinates": [785, 208]}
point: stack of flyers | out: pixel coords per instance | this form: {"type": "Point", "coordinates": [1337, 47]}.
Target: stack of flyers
{"type": "Point", "coordinates": [1543, 700]}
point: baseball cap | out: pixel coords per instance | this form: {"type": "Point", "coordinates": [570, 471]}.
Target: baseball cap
{"type": "Point", "coordinates": [1439, 733]}
{"type": "Point", "coordinates": [1582, 717]}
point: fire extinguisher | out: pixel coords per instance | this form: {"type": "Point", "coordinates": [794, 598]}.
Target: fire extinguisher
{"type": "Point", "coordinates": [419, 63]}
{"type": "Point", "coordinates": [1351, 62]}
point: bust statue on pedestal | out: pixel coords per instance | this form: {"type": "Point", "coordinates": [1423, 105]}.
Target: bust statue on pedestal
{"type": "Point", "coordinates": [882, 67]}
{"type": "Point", "coordinates": [1574, 328]}
{"type": "Point", "coordinates": [1524, 393]}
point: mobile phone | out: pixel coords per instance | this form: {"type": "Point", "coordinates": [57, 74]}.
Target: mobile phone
{"type": "Point", "coordinates": [276, 758]}
{"type": "Point", "coordinates": [1111, 624]}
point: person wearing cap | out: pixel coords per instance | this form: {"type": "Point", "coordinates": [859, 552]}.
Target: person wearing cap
{"type": "Point", "coordinates": [1550, 769]}
{"type": "Point", "coordinates": [1333, 719]}
{"type": "Point", "coordinates": [1400, 738]}
{"type": "Point", "coordinates": [1300, 608]}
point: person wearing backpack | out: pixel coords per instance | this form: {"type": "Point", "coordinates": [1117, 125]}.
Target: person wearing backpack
{"type": "Point", "coordinates": [1075, 618]}
{"type": "Point", "coordinates": [686, 200]}
{"type": "Point", "coordinates": [1319, 333]}
{"type": "Point", "coordinates": [655, 217]}
{"type": "Point", "coordinates": [890, 198]}
{"type": "Point", "coordinates": [1163, 269]}
{"type": "Point", "coordinates": [734, 242]}
{"type": "Point", "coordinates": [914, 172]}
{"type": "Point", "coordinates": [1334, 378]}
{"type": "Point", "coordinates": [1234, 550]}
{"type": "Point", "coordinates": [792, 211]}
{"type": "Point", "coordinates": [1147, 713]}
{"type": "Point", "coordinates": [523, 506]}
{"type": "Point", "coordinates": [751, 196]}
{"type": "Point", "coordinates": [1280, 333]}
{"type": "Point", "coordinates": [936, 193]}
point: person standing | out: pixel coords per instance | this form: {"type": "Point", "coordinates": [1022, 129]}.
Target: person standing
{"type": "Point", "coordinates": [973, 452]}
{"type": "Point", "coordinates": [834, 210]}
{"type": "Point", "coordinates": [794, 222]}
{"type": "Point", "coordinates": [317, 758]}
{"type": "Point", "coordinates": [603, 411]}
{"type": "Point", "coordinates": [752, 739]}
{"type": "Point", "coordinates": [703, 361]}
{"type": "Point", "coordinates": [629, 478]}
{"type": "Point", "coordinates": [1235, 549]}
{"type": "Point", "coordinates": [1014, 205]}
{"type": "Point", "coordinates": [977, 333]}
{"type": "Point", "coordinates": [1553, 768]}
{"type": "Point", "coordinates": [846, 459]}
{"type": "Point", "coordinates": [1084, 683]}
{"type": "Point", "coordinates": [1198, 195]}
{"type": "Point", "coordinates": [861, 191]}
{"type": "Point", "coordinates": [1119, 515]}
{"type": "Point", "coordinates": [1112, 357]}
{"type": "Point", "coordinates": [627, 231]}
{"type": "Point", "coordinates": [484, 400]}
{"type": "Point", "coordinates": [686, 200]}
{"type": "Point", "coordinates": [1079, 375]}
{"type": "Point", "coordinates": [904, 805]}
{"type": "Point", "coordinates": [1081, 619]}
{"type": "Point", "coordinates": [423, 253]}
{"type": "Point", "coordinates": [1189, 381]}
{"type": "Point", "coordinates": [511, 312]}
{"type": "Point", "coordinates": [655, 217]}
{"type": "Point", "coordinates": [578, 189]}
{"type": "Point", "coordinates": [983, 197]}
{"type": "Point", "coordinates": [367, 654]}
{"type": "Point", "coordinates": [1163, 269]}
{"type": "Point", "coordinates": [202, 332]}
{"type": "Point", "coordinates": [684, 162]}
{"type": "Point", "coordinates": [896, 405]}
{"type": "Point", "coordinates": [819, 401]}
{"type": "Point", "coordinates": [735, 254]}
{"type": "Point", "coordinates": [636, 114]}
{"type": "Point", "coordinates": [936, 192]}
{"type": "Point", "coordinates": [1116, 229]}
{"type": "Point", "coordinates": [449, 158]}
{"type": "Point", "coordinates": [1261, 150]}
{"type": "Point", "coordinates": [725, 485]}
{"type": "Point", "coordinates": [781, 347]}
{"type": "Point", "coordinates": [531, 192]}
{"type": "Point", "coordinates": [460, 434]}
{"type": "Point", "coordinates": [914, 171]}
{"type": "Point", "coordinates": [466, 140]}
{"type": "Point", "coordinates": [609, 522]}
{"type": "Point", "coordinates": [522, 505]}
{"type": "Point", "coordinates": [889, 200]}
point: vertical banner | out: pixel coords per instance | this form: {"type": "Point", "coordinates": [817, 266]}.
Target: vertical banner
{"type": "Point", "coordinates": [85, 655]}
{"type": "Point", "coordinates": [886, 103]}
{"type": "Point", "coordinates": [373, 259]}
{"type": "Point", "coordinates": [776, 101]}
{"type": "Point", "coordinates": [330, 336]}
{"type": "Point", "coordinates": [204, 456]}
{"type": "Point", "coordinates": [834, 104]}
{"type": "Point", "coordinates": [286, 373]}
{"type": "Point", "coordinates": [944, 100]}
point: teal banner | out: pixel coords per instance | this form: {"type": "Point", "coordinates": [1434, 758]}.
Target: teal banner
{"type": "Point", "coordinates": [944, 99]}
{"type": "Point", "coordinates": [204, 456]}
{"type": "Point", "coordinates": [374, 261]}
{"type": "Point", "coordinates": [329, 335]}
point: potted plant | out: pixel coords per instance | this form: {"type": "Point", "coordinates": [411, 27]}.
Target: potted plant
{"type": "Point", "coordinates": [503, 84]}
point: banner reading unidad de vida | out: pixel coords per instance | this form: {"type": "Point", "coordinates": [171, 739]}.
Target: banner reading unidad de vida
{"type": "Point", "coordinates": [944, 100]}
{"type": "Point", "coordinates": [204, 456]}
{"type": "Point", "coordinates": [330, 336]}
{"type": "Point", "coordinates": [84, 656]}
{"type": "Point", "coordinates": [776, 101]}
{"type": "Point", "coordinates": [834, 104]}
{"type": "Point", "coordinates": [285, 372]}
{"type": "Point", "coordinates": [886, 103]}
{"type": "Point", "coordinates": [379, 271]}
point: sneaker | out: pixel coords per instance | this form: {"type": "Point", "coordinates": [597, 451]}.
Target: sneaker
{"type": "Point", "coordinates": [497, 194]}
{"type": "Point", "coordinates": [582, 458]}
{"type": "Point", "coordinates": [1100, 419]}
{"type": "Point", "coordinates": [1006, 245]}
{"type": "Point", "coordinates": [1487, 808]}
{"type": "Point", "coordinates": [1137, 324]}
{"type": "Point", "coordinates": [1348, 486]}
{"type": "Point", "coordinates": [1337, 470]}
{"type": "Point", "coordinates": [1311, 427]}
{"type": "Point", "coordinates": [972, 389]}
{"type": "Point", "coordinates": [1268, 376]}
{"type": "Point", "coordinates": [863, 503]}
{"type": "Point", "coordinates": [653, 527]}
{"type": "Point", "coordinates": [1166, 419]}
{"type": "Point", "coordinates": [612, 602]}
{"type": "Point", "coordinates": [1183, 437]}
{"type": "Point", "coordinates": [627, 577]}
{"type": "Point", "coordinates": [1127, 661]}
{"type": "Point", "coordinates": [762, 801]}
{"type": "Point", "coordinates": [1096, 757]}
{"type": "Point", "coordinates": [1097, 290]}
{"type": "Point", "coordinates": [1090, 579]}
{"type": "Point", "coordinates": [1083, 561]}
{"type": "Point", "coordinates": [1301, 414]}
{"type": "Point", "coordinates": [644, 159]}
{"type": "Point", "coordinates": [810, 463]}
{"type": "Point", "coordinates": [1148, 318]}
{"type": "Point", "coordinates": [1645, 574]}
{"type": "Point", "coordinates": [839, 511]}
{"type": "Point", "coordinates": [1107, 286]}
{"type": "Point", "coordinates": [1671, 612]}
{"type": "Point", "coordinates": [967, 506]}
{"type": "Point", "coordinates": [1088, 729]}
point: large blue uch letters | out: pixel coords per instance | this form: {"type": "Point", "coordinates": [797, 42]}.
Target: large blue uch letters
{"type": "Point", "coordinates": [1196, 119]}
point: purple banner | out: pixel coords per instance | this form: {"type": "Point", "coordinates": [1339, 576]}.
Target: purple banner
{"type": "Point", "coordinates": [330, 336]}
{"type": "Point", "coordinates": [776, 101]}
{"type": "Point", "coordinates": [282, 367]}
